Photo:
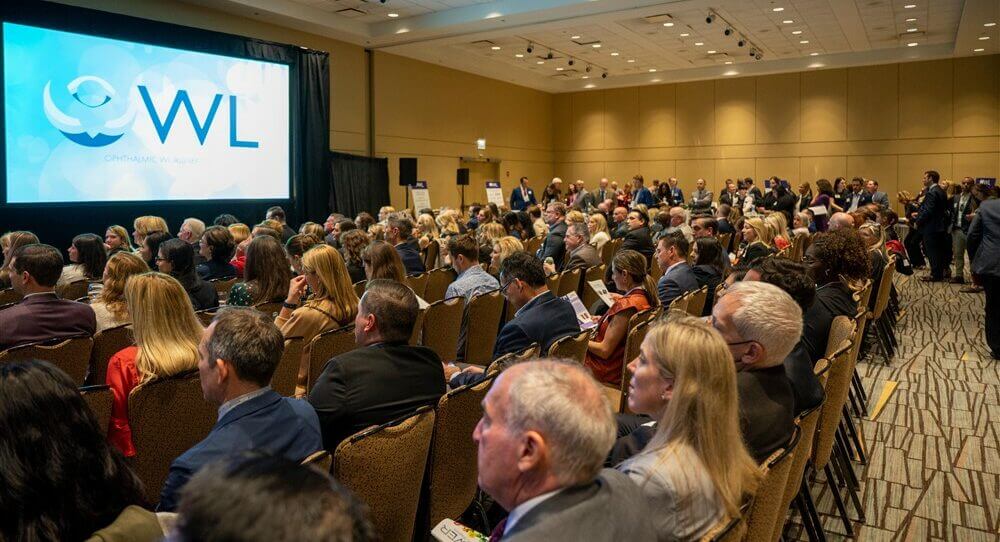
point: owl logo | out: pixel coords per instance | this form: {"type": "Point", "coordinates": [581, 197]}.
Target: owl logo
{"type": "Point", "coordinates": [92, 127]}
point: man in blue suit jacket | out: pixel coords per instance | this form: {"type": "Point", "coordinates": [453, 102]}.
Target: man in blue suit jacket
{"type": "Point", "coordinates": [522, 196]}
{"type": "Point", "coordinates": [932, 223]}
{"type": "Point", "coordinates": [641, 194]}
{"type": "Point", "coordinates": [984, 249]}
{"type": "Point", "coordinates": [678, 278]}
{"type": "Point", "coordinates": [239, 353]}
{"type": "Point", "coordinates": [399, 232]}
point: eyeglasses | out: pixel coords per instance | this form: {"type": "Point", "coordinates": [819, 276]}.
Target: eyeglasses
{"type": "Point", "coordinates": [714, 323]}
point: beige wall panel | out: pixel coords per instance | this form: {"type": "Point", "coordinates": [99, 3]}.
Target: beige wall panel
{"type": "Point", "coordinates": [657, 116]}
{"type": "Point", "coordinates": [734, 111]}
{"type": "Point", "coordinates": [812, 168]}
{"type": "Point", "coordinates": [823, 109]}
{"type": "Point", "coordinates": [873, 102]}
{"type": "Point", "coordinates": [777, 111]}
{"type": "Point", "coordinates": [562, 122]}
{"type": "Point", "coordinates": [657, 169]}
{"type": "Point", "coordinates": [619, 171]}
{"type": "Point", "coordinates": [695, 113]}
{"type": "Point", "coordinates": [977, 96]}
{"type": "Point", "coordinates": [588, 120]}
{"type": "Point", "coordinates": [884, 168]}
{"type": "Point", "coordinates": [539, 174]}
{"type": "Point", "coordinates": [689, 170]}
{"type": "Point", "coordinates": [912, 168]}
{"type": "Point", "coordinates": [621, 118]}
{"type": "Point", "coordinates": [730, 168]}
{"type": "Point", "coordinates": [589, 172]}
{"type": "Point", "coordinates": [975, 165]}
{"type": "Point", "coordinates": [785, 168]}
{"type": "Point", "coordinates": [925, 93]}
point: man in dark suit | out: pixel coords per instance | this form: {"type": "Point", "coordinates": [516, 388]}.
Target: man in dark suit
{"type": "Point", "coordinates": [761, 324]}
{"type": "Point", "coordinates": [963, 208]}
{"type": "Point", "coordinates": [932, 222]}
{"type": "Point", "coordinates": [542, 460]}
{"type": "Point", "coordinates": [399, 233]}
{"type": "Point", "coordinates": [41, 315]}
{"type": "Point", "coordinates": [638, 237]}
{"type": "Point", "coordinates": [541, 317]}
{"type": "Point", "coordinates": [640, 194]}
{"type": "Point", "coordinates": [855, 198]}
{"type": "Point", "coordinates": [874, 196]}
{"type": "Point", "coordinates": [984, 249]}
{"type": "Point", "coordinates": [603, 193]}
{"type": "Point", "coordinates": [278, 214]}
{"type": "Point", "coordinates": [722, 216]}
{"type": "Point", "coordinates": [554, 245]}
{"type": "Point", "coordinates": [619, 222]}
{"type": "Point", "coordinates": [522, 196]}
{"type": "Point", "coordinates": [676, 194]}
{"type": "Point", "coordinates": [385, 377]}
{"type": "Point", "coordinates": [239, 352]}
{"type": "Point", "coordinates": [678, 279]}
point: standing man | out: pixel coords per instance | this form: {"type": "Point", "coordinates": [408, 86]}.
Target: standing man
{"type": "Point", "coordinates": [932, 222]}
{"type": "Point", "coordinates": [701, 200]}
{"type": "Point", "coordinates": [640, 194]}
{"type": "Point", "coordinates": [584, 199]}
{"type": "Point", "coordinates": [603, 192]}
{"type": "Point", "coordinates": [874, 196]}
{"type": "Point", "coordinates": [555, 242]}
{"type": "Point", "coordinates": [676, 194]}
{"type": "Point", "coordinates": [984, 249]}
{"type": "Point", "coordinates": [854, 199]}
{"type": "Point", "coordinates": [522, 196]}
{"type": "Point", "coordinates": [963, 208]}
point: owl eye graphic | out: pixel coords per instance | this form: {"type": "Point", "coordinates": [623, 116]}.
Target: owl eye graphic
{"type": "Point", "coordinates": [94, 93]}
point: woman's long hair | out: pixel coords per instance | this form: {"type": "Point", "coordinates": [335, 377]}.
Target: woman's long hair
{"type": "Point", "coordinates": [763, 232]}
{"type": "Point", "coordinates": [122, 234]}
{"type": "Point", "coordinates": [634, 264]}
{"type": "Point", "coordinates": [267, 273]}
{"type": "Point", "coordinates": [145, 225]}
{"type": "Point", "coordinates": [778, 225]}
{"type": "Point", "coordinates": [710, 253]}
{"type": "Point", "coordinates": [703, 411]}
{"type": "Point", "coordinates": [91, 254]}
{"type": "Point", "coordinates": [334, 286]}
{"type": "Point", "coordinates": [121, 266]}
{"type": "Point", "coordinates": [384, 262]}
{"type": "Point", "coordinates": [60, 478]}
{"type": "Point", "coordinates": [165, 327]}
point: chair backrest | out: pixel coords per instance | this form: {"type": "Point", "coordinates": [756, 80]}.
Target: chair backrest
{"type": "Point", "coordinates": [327, 345]}
{"type": "Point", "coordinates": [359, 288]}
{"type": "Point", "coordinates": [431, 254]}
{"type": "Point", "coordinates": [223, 286]}
{"type": "Point", "coordinates": [107, 343]}
{"type": "Point", "coordinates": [452, 472]}
{"type": "Point", "coordinates": [417, 283]}
{"type": "Point", "coordinates": [73, 290]}
{"type": "Point", "coordinates": [798, 246]}
{"type": "Point", "coordinates": [482, 324]}
{"type": "Point", "coordinates": [167, 417]}
{"type": "Point", "coordinates": [286, 374]}
{"type": "Point", "coordinates": [609, 249]}
{"type": "Point", "coordinates": [552, 282]}
{"type": "Point", "coordinates": [884, 288]}
{"type": "Point", "coordinates": [503, 362]}
{"type": "Point", "coordinates": [418, 327]}
{"type": "Point", "coordinates": [271, 308]}
{"type": "Point", "coordinates": [724, 239]}
{"type": "Point", "coordinates": [384, 467]}
{"type": "Point", "coordinates": [587, 294]}
{"type": "Point", "coordinates": [442, 326]}
{"type": "Point", "coordinates": [8, 296]}
{"type": "Point", "coordinates": [71, 354]}
{"type": "Point", "coordinates": [864, 295]}
{"type": "Point", "coordinates": [655, 270]}
{"type": "Point", "coordinates": [572, 347]}
{"type": "Point", "coordinates": [569, 281]}
{"type": "Point", "coordinates": [767, 501]}
{"type": "Point", "coordinates": [532, 245]}
{"type": "Point", "coordinates": [205, 316]}
{"type": "Point", "coordinates": [99, 398]}
{"type": "Point", "coordinates": [697, 302]}
{"type": "Point", "coordinates": [727, 530]}
{"type": "Point", "coordinates": [838, 384]}
{"type": "Point", "coordinates": [321, 460]}
{"type": "Point", "coordinates": [841, 328]}
{"type": "Point", "coordinates": [637, 329]}
{"type": "Point", "coordinates": [680, 303]}
{"type": "Point", "coordinates": [438, 281]}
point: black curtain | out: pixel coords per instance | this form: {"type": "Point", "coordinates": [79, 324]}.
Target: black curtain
{"type": "Point", "coordinates": [358, 183]}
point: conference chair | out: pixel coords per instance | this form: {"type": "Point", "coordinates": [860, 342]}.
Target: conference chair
{"type": "Point", "coordinates": [727, 530]}
{"type": "Point", "coordinates": [877, 316]}
{"type": "Point", "coordinates": [321, 460]}
{"type": "Point", "coordinates": [359, 288]}
{"type": "Point", "coordinates": [430, 254]}
{"type": "Point", "coordinates": [168, 416]}
{"type": "Point", "coordinates": [205, 316]}
{"type": "Point", "coordinates": [587, 294]}
{"type": "Point", "coordinates": [286, 374]}
{"type": "Point", "coordinates": [482, 324]}
{"type": "Point", "coordinates": [654, 269]}
{"type": "Point", "coordinates": [384, 467]}
{"type": "Point", "coordinates": [71, 354]}
{"type": "Point", "coordinates": [107, 343]}
{"type": "Point", "coordinates": [569, 281]}
{"type": "Point", "coordinates": [572, 347]}
{"type": "Point", "coordinates": [99, 398]}
{"type": "Point", "coordinates": [638, 327]}
{"type": "Point", "coordinates": [609, 249]}
{"type": "Point", "coordinates": [442, 326]}
{"type": "Point", "coordinates": [767, 500]}
{"type": "Point", "coordinates": [552, 283]}
{"type": "Point", "coordinates": [418, 327]}
{"type": "Point", "coordinates": [724, 239]}
{"type": "Point", "coordinates": [328, 345]}
{"type": "Point", "coordinates": [9, 296]}
{"type": "Point", "coordinates": [417, 283]}
{"type": "Point", "coordinates": [438, 281]}
{"type": "Point", "coordinates": [798, 247]}
{"type": "Point", "coordinates": [697, 302]}
{"type": "Point", "coordinates": [223, 286]}
{"type": "Point", "coordinates": [452, 471]}
{"type": "Point", "coordinates": [74, 290]}
{"type": "Point", "coordinates": [532, 245]}
{"type": "Point", "coordinates": [271, 308]}
{"type": "Point", "coordinates": [680, 303]}
{"type": "Point", "coordinates": [503, 362]}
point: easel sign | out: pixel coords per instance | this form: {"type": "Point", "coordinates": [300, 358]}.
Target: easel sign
{"type": "Point", "coordinates": [987, 181]}
{"type": "Point", "coordinates": [421, 197]}
{"type": "Point", "coordinates": [494, 194]}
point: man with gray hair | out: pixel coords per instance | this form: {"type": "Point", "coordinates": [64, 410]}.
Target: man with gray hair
{"type": "Point", "coordinates": [191, 231]}
{"type": "Point", "coordinates": [840, 221]}
{"type": "Point", "coordinates": [761, 324]}
{"type": "Point", "coordinates": [579, 251]}
{"type": "Point", "coordinates": [238, 354]}
{"type": "Point", "coordinates": [399, 233]}
{"type": "Point", "coordinates": [679, 222]}
{"type": "Point", "coordinates": [545, 431]}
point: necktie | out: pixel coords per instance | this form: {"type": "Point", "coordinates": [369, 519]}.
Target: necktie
{"type": "Point", "coordinates": [497, 533]}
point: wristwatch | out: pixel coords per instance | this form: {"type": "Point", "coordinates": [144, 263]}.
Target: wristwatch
{"type": "Point", "coordinates": [289, 306]}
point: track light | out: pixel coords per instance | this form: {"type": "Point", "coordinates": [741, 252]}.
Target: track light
{"type": "Point", "coordinates": [753, 52]}
{"type": "Point", "coordinates": [604, 75]}
{"type": "Point", "coordinates": [710, 18]}
{"type": "Point", "coordinates": [728, 31]}
{"type": "Point", "coordinates": [589, 68]}
{"type": "Point", "coordinates": [530, 48]}
{"type": "Point", "coordinates": [549, 56]}
{"type": "Point", "coordinates": [571, 62]}
{"type": "Point", "coordinates": [741, 42]}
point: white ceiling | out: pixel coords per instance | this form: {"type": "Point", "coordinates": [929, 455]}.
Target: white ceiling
{"type": "Point", "coordinates": [491, 38]}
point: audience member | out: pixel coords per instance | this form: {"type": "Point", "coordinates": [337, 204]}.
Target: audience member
{"type": "Point", "coordinates": [241, 238]}
{"type": "Point", "coordinates": [87, 257]}
{"type": "Point", "coordinates": [60, 479]}
{"type": "Point", "coordinates": [472, 280]}
{"type": "Point", "coordinates": [352, 243]}
{"type": "Point", "coordinates": [761, 324]}
{"type": "Point", "coordinates": [709, 266]}
{"type": "Point", "coordinates": [41, 315]}
{"type": "Point", "coordinates": [839, 221]}
{"type": "Point", "coordinates": [522, 196]}
{"type": "Point", "coordinates": [722, 217]}
{"type": "Point", "coordinates": [149, 247]}
{"type": "Point", "coordinates": [554, 245]}
{"type": "Point", "coordinates": [145, 225]}
{"type": "Point", "coordinates": [272, 228]}
{"type": "Point", "coordinates": [641, 195]}
{"type": "Point", "coordinates": [399, 233]}
{"type": "Point", "coordinates": [364, 221]}
{"type": "Point", "coordinates": [166, 333]}
{"type": "Point", "coordinates": [800, 224]}
{"type": "Point", "coordinates": [637, 237]}
{"type": "Point", "coordinates": [779, 230]}
{"type": "Point", "coordinates": [963, 205]}
{"type": "Point", "coordinates": [825, 198]}
{"type": "Point", "coordinates": [216, 248]}
{"type": "Point", "coordinates": [385, 377]}
{"type": "Point", "coordinates": [278, 214]}
{"type": "Point", "coordinates": [679, 222]}
{"type": "Point", "coordinates": [619, 219]}
{"type": "Point", "coordinates": [606, 349]}
{"type": "Point", "coordinates": [176, 258]}
{"type": "Point", "coordinates": [110, 308]}
{"type": "Point", "coordinates": [545, 431]}
{"type": "Point", "coordinates": [874, 196]}
{"type": "Point", "coordinates": [579, 252]}
{"type": "Point", "coordinates": [266, 274]}
{"type": "Point", "coordinates": [984, 250]}
{"type": "Point", "coordinates": [756, 235]}
{"type": "Point", "coordinates": [597, 225]}
{"type": "Point", "coordinates": [295, 248]}
{"type": "Point", "coordinates": [695, 469]}
{"type": "Point", "coordinates": [874, 242]}
{"type": "Point", "coordinates": [238, 354]}
{"type": "Point", "coordinates": [260, 498]}
{"type": "Point", "coordinates": [502, 249]}
{"type": "Point", "coordinates": [312, 228]}
{"type": "Point", "coordinates": [381, 261]}
{"type": "Point", "coordinates": [678, 279]}
{"type": "Point", "coordinates": [191, 231]}
{"type": "Point", "coordinates": [701, 199]}
{"type": "Point", "coordinates": [225, 220]}
{"type": "Point", "coordinates": [537, 223]}
{"type": "Point", "coordinates": [838, 263]}
{"type": "Point", "coordinates": [116, 239]}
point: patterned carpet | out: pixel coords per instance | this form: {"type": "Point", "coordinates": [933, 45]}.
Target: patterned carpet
{"type": "Point", "coordinates": [932, 438]}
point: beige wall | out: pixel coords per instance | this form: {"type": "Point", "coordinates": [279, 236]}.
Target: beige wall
{"type": "Point", "coordinates": [891, 122]}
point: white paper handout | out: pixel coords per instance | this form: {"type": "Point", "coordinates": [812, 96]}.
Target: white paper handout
{"type": "Point", "coordinates": [602, 291]}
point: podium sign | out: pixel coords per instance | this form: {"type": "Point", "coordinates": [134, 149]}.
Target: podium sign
{"type": "Point", "coordinates": [421, 198]}
{"type": "Point", "coordinates": [494, 194]}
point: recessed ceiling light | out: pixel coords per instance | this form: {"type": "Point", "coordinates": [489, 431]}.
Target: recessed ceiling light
{"type": "Point", "coordinates": [778, 9]}
{"type": "Point", "coordinates": [540, 62]}
{"type": "Point", "coordinates": [495, 47]}
{"type": "Point", "coordinates": [652, 70]}
{"type": "Point", "coordinates": [911, 20]}
{"type": "Point", "coordinates": [596, 46]}
{"type": "Point", "coordinates": [787, 21]}
{"type": "Point", "coordinates": [585, 77]}
{"type": "Point", "coordinates": [796, 32]}
{"type": "Point", "coordinates": [731, 72]}
{"type": "Point", "coordinates": [989, 24]}
{"type": "Point", "coordinates": [909, 6]}
{"type": "Point", "coordinates": [979, 50]}
{"type": "Point", "coordinates": [668, 24]}
{"type": "Point", "coordinates": [983, 38]}
{"type": "Point", "coordinates": [574, 37]}
{"type": "Point", "coordinates": [699, 44]}
{"type": "Point", "coordinates": [654, 80]}
{"type": "Point", "coordinates": [631, 60]}
{"type": "Point", "coordinates": [729, 62]}
{"type": "Point", "coordinates": [712, 52]}
{"type": "Point", "coordinates": [912, 44]}
{"type": "Point", "coordinates": [614, 54]}
{"type": "Point", "coordinates": [684, 35]}
{"type": "Point", "coordinates": [803, 42]}
{"type": "Point", "coordinates": [559, 69]}
{"type": "Point", "coordinates": [911, 29]}
{"type": "Point", "coordinates": [816, 65]}
{"type": "Point", "coordinates": [519, 55]}
{"type": "Point", "coordinates": [392, 15]}
{"type": "Point", "coordinates": [813, 54]}
{"type": "Point", "coordinates": [589, 85]}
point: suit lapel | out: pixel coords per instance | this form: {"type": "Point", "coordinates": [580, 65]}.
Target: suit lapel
{"type": "Point", "coordinates": [249, 407]}
{"type": "Point", "coordinates": [564, 500]}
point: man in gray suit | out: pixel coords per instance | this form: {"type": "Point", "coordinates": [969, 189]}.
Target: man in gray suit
{"type": "Point", "coordinates": [984, 250]}
{"type": "Point", "coordinates": [579, 251]}
{"type": "Point", "coordinates": [678, 278]}
{"type": "Point", "coordinates": [545, 431]}
{"type": "Point", "coordinates": [701, 199]}
{"type": "Point", "coordinates": [584, 200]}
{"type": "Point", "coordinates": [881, 198]}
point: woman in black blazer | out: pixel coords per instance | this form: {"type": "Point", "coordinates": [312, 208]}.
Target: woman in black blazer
{"type": "Point", "coordinates": [757, 236]}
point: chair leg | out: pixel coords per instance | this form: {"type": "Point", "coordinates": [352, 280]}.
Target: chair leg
{"type": "Point", "coordinates": [859, 388]}
{"type": "Point", "coordinates": [838, 500]}
{"type": "Point", "coordinates": [807, 500]}
{"type": "Point", "coordinates": [853, 400]}
{"type": "Point", "coordinates": [855, 438]}
{"type": "Point", "coordinates": [852, 484]}
{"type": "Point", "coordinates": [813, 531]}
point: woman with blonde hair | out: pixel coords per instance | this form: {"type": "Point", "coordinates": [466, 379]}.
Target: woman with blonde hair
{"type": "Point", "coordinates": [606, 350]}
{"type": "Point", "coordinates": [116, 238]}
{"type": "Point", "coordinates": [167, 334]}
{"type": "Point", "coordinates": [384, 212]}
{"type": "Point", "coordinates": [428, 233]}
{"type": "Point", "coordinates": [575, 216]}
{"type": "Point", "coordinates": [778, 226]}
{"type": "Point", "coordinates": [502, 249]}
{"type": "Point", "coordinates": [333, 303]}
{"type": "Point", "coordinates": [381, 261]}
{"type": "Point", "coordinates": [599, 234]}
{"type": "Point", "coordinates": [10, 242]}
{"type": "Point", "coordinates": [757, 239]}
{"type": "Point", "coordinates": [110, 307]}
{"type": "Point", "coordinates": [447, 225]}
{"type": "Point", "coordinates": [312, 228]}
{"type": "Point", "coordinates": [145, 225]}
{"type": "Point", "coordinates": [696, 469]}
{"type": "Point", "coordinates": [873, 236]}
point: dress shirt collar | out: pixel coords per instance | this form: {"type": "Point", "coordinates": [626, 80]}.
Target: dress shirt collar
{"type": "Point", "coordinates": [26, 296]}
{"type": "Point", "coordinates": [520, 510]}
{"type": "Point", "coordinates": [229, 405]}
{"type": "Point", "coordinates": [673, 266]}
